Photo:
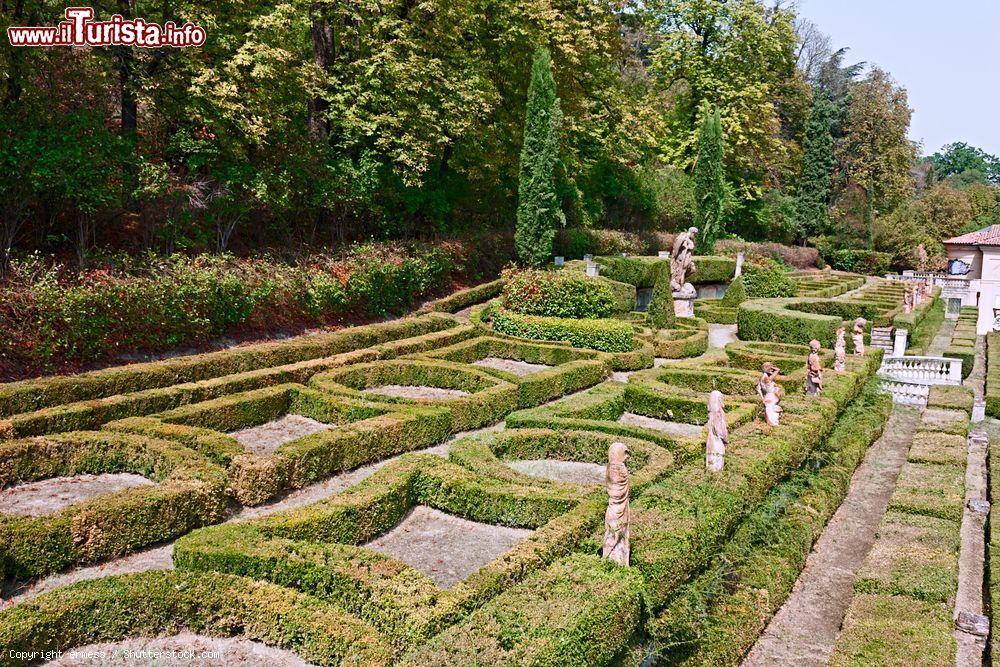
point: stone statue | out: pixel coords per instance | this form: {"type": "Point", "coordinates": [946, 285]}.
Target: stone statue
{"type": "Point", "coordinates": [770, 392]}
{"type": "Point", "coordinates": [814, 370]}
{"type": "Point", "coordinates": [682, 259]}
{"type": "Point", "coordinates": [907, 299]}
{"type": "Point", "coordinates": [718, 433]}
{"type": "Point", "coordinates": [922, 257]}
{"type": "Point", "coordinates": [859, 335]}
{"type": "Point", "coordinates": [617, 518]}
{"type": "Point", "coordinates": [840, 351]}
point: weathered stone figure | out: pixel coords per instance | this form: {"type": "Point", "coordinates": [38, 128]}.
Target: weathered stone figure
{"type": "Point", "coordinates": [770, 393]}
{"type": "Point", "coordinates": [859, 335]}
{"type": "Point", "coordinates": [840, 351]}
{"type": "Point", "coordinates": [682, 259]}
{"type": "Point", "coordinates": [617, 518]}
{"type": "Point", "coordinates": [907, 299]}
{"type": "Point", "coordinates": [814, 370]}
{"type": "Point", "coordinates": [718, 433]}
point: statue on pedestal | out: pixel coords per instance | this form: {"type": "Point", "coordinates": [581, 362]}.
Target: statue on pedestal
{"type": "Point", "coordinates": [859, 335]}
{"type": "Point", "coordinates": [814, 370]}
{"type": "Point", "coordinates": [770, 392]}
{"type": "Point", "coordinates": [840, 351]}
{"type": "Point", "coordinates": [617, 518]}
{"type": "Point", "coordinates": [718, 433]}
{"type": "Point", "coordinates": [682, 259]}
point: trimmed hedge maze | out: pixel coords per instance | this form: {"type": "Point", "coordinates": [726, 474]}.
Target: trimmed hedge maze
{"type": "Point", "coordinates": [801, 319]}
{"type": "Point", "coordinates": [316, 577]}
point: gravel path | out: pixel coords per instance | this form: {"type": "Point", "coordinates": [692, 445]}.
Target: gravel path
{"type": "Point", "coordinates": [673, 428]}
{"type": "Point", "coordinates": [721, 335]}
{"type": "Point", "coordinates": [804, 631]}
{"type": "Point", "coordinates": [446, 548]}
{"type": "Point", "coordinates": [266, 438]}
{"type": "Point", "coordinates": [411, 391]}
{"type": "Point", "coordinates": [942, 340]}
{"type": "Point", "coordinates": [182, 650]}
{"type": "Point", "coordinates": [575, 472]}
{"type": "Point", "coordinates": [520, 368]}
{"type": "Point", "coordinates": [48, 496]}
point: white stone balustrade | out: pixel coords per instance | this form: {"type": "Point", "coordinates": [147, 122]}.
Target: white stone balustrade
{"type": "Point", "coordinates": [922, 370]}
{"type": "Point", "coordinates": [906, 393]}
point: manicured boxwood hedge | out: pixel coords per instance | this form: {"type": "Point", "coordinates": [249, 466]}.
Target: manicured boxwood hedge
{"type": "Point", "coordinates": [715, 311]}
{"type": "Point", "coordinates": [574, 369]}
{"type": "Point", "coordinates": [362, 432]}
{"type": "Point", "coordinates": [604, 335]}
{"type": "Point", "coordinates": [317, 548]}
{"type": "Point", "coordinates": [190, 492]}
{"type": "Point", "coordinates": [688, 339]}
{"type": "Point", "coordinates": [716, 618]}
{"type": "Point", "coordinates": [30, 395]}
{"type": "Point", "coordinates": [91, 414]}
{"type": "Point", "coordinates": [486, 454]}
{"type": "Point", "coordinates": [154, 604]}
{"type": "Point", "coordinates": [799, 320]}
{"type": "Point", "coordinates": [600, 608]}
{"type": "Point", "coordinates": [490, 398]}
{"type": "Point", "coordinates": [464, 298]}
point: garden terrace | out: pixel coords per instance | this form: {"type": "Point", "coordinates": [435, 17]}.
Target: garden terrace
{"type": "Point", "coordinates": [825, 285]}
{"type": "Point", "coordinates": [902, 612]}
{"type": "Point", "coordinates": [963, 339]}
{"type": "Point", "coordinates": [89, 413]}
{"type": "Point", "coordinates": [342, 558]}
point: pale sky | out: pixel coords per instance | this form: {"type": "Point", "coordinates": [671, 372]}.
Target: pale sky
{"type": "Point", "coordinates": [943, 53]}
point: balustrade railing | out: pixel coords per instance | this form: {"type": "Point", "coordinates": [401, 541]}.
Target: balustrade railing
{"type": "Point", "coordinates": [922, 370]}
{"type": "Point", "coordinates": [906, 393]}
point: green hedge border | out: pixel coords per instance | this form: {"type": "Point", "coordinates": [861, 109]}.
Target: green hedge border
{"type": "Point", "coordinates": [190, 492]}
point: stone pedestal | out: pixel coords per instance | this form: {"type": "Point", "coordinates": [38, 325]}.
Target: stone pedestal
{"type": "Point", "coordinates": [899, 343]}
{"type": "Point", "coordinates": [684, 301]}
{"type": "Point", "coordinates": [740, 258]}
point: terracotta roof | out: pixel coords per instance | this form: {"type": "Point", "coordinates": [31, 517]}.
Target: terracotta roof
{"type": "Point", "coordinates": [985, 236]}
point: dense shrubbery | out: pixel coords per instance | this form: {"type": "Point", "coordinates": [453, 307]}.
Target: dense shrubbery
{"type": "Point", "coordinates": [155, 304]}
{"type": "Point", "coordinates": [603, 335]}
{"type": "Point", "coordinates": [556, 294]}
{"type": "Point", "coordinates": [867, 262]}
{"type": "Point", "coordinates": [764, 279]}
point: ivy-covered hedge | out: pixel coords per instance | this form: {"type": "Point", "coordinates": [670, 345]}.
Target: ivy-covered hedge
{"type": "Point", "coordinates": [189, 492]}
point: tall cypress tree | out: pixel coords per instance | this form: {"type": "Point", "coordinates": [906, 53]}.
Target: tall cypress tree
{"type": "Point", "coordinates": [709, 183]}
{"type": "Point", "coordinates": [538, 210]}
{"type": "Point", "coordinates": [818, 161]}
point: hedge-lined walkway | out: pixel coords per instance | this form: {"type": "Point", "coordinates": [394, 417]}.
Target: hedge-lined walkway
{"type": "Point", "coordinates": [942, 340]}
{"type": "Point", "coordinates": [804, 631]}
